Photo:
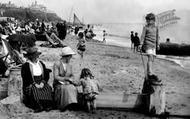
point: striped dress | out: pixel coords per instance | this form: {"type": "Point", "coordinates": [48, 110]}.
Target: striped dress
{"type": "Point", "coordinates": [36, 97]}
{"type": "Point", "coordinates": [44, 93]}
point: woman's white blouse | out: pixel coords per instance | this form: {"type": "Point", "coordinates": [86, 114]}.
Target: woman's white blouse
{"type": "Point", "coordinates": [37, 71]}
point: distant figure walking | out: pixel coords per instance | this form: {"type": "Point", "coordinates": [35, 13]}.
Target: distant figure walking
{"type": "Point", "coordinates": [132, 40]}
{"type": "Point", "coordinates": [104, 36]}
{"type": "Point", "coordinates": [150, 40]}
{"type": "Point", "coordinates": [136, 42]}
{"type": "Point", "coordinates": [167, 40]}
{"type": "Point", "coordinates": [81, 47]}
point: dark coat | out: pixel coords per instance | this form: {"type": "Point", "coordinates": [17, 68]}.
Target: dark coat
{"type": "Point", "coordinates": [27, 75]}
{"type": "Point", "coordinates": [136, 41]}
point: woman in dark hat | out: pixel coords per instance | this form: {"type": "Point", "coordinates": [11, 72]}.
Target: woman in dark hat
{"type": "Point", "coordinates": [37, 93]}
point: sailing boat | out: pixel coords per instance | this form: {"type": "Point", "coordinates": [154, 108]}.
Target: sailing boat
{"type": "Point", "coordinates": [76, 21]}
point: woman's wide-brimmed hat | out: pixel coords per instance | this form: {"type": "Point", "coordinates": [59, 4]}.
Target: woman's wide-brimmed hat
{"type": "Point", "coordinates": [67, 51]}
{"type": "Point", "coordinates": [31, 52]}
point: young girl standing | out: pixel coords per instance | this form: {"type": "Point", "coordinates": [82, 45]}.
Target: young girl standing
{"type": "Point", "coordinates": [90, 89]}
{"type": "Point", "coordinates": [150, 40]}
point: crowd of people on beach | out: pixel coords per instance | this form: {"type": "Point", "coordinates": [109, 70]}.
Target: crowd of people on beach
{"type": "Point", "coordinates": [17, 36]}
{"type": "Point", "coordinates": [38, 94]}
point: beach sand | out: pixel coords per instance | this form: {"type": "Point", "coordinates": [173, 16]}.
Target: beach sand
{"type": "Point", "coordinates": [118, 69]}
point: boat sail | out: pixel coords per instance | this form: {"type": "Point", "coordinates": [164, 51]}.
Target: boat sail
{"type": "Point", "coordinates": [76, 21]}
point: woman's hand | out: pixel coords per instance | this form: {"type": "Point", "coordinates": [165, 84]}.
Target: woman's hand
{"type": "Point", "coordinates": [70, 80]}
{"type": "Point", "coordinates": [41, 85]}
{"type": "Point", "coordinates": [37, 85]}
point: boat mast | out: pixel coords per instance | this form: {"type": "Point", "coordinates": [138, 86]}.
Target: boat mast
{"type": "Point", "coordinates": [70, 14]}
{"type": "Point", "coordinates": [82, 20]}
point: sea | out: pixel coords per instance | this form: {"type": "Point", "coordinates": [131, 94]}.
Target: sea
{"type": "Point", "coordinates": [119, 34]}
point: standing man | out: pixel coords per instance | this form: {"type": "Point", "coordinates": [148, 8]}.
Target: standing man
{"type": "Point", "coordinates": [43, 26]}
{"type": "Point", "coordinates": [132, 40]}
{"type": "Point", "coordinates": [76, 30]}
{"type": "Point", "coordinates": [136, 42]}
{"type": "Point", "coordinates": [104, 36]}
{"type": "Point", "coordinates": [62, 30]}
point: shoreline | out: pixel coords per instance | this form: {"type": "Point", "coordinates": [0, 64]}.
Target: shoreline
{"type": "Point", "coordinates": [174, 59]}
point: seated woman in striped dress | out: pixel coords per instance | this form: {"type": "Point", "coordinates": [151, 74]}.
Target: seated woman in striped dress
{"type": "Point", "coordinates": [37, 93]}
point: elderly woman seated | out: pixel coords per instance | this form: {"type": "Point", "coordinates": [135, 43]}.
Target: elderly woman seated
{"type": "Point", "coordinates": [37, 93]}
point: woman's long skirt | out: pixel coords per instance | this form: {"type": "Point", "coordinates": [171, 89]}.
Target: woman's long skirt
{"type": "Point", "coordinates": [35, 97]}
{"type": "Point", "coordinates": [65, 95]}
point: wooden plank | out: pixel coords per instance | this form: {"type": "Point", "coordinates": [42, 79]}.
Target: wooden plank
{"type": "Point", "coordinates": [117, 101]}
{"type": "Point", "coordinates": [157, 100]}
{"type": "Point", "coordinates": [128, 102]}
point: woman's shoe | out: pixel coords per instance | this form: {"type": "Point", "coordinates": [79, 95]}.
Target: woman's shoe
{"type": "Point", "coordinates": [48, 109]}
{"type": "Point", "coordinates": [38, 110]}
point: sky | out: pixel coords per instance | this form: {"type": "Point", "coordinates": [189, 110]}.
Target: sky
{"type": "Point", "coordinates": [107, 11]}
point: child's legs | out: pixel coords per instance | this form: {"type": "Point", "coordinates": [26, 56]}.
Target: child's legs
{"type": "Point", "coordinates": [79, 52]}
{"type": "Point", "coordinates": [151, 53]}
{"type": "Point", "coordinates": [88, 103]}
{"type": "Point", "coordinates": [94, 104]}
{"type": "Point", "coordinates": [136, 48]}
{"type": "Point", "coordinates": [149, 65]}
{"type": "Point", "coordinates": [82, 54]}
